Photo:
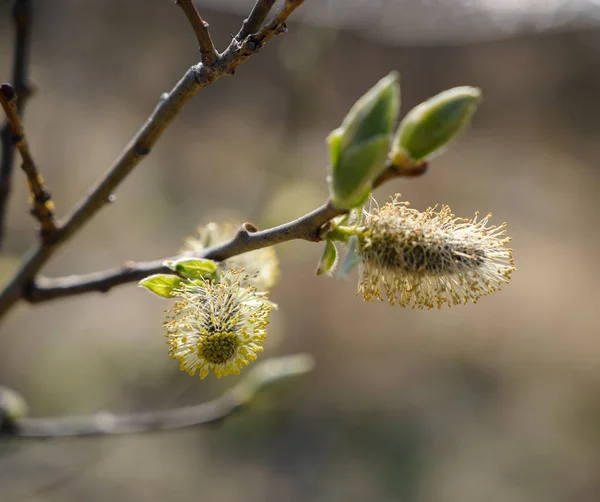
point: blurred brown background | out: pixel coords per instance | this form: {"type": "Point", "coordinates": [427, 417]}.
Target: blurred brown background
{"type": "Point", "coordinates": [497, 401]}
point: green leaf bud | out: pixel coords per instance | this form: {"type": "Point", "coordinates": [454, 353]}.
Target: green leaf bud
{"type": "Point", "coordinates": [161, 284]}
{"type": "Point", "coordinates": [431, 126]}
{"type": "Point", "coordinates": [328, 259]}
{"type": "Point", "coordinates": [360, 146]}
{"type": "Point", "coordinates": [195, 268]}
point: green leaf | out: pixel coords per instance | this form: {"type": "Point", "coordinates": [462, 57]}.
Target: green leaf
{"type": "Point", "coordinates": [328, 259]}
{"type": "Point", "coordinates": [161, 284]}
{"type": "Point", "coordinates": [195, 268]}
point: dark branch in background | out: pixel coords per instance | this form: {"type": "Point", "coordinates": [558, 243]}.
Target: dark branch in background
{"type": "Point", "coordinates": [207, 49]}
{"type": "Point", "coordinates": [197, 77]}
{"type": "Point", "coordinates": [22, 16]}
{"type": "Point", "coordinates": [306, 228]}
{"type": "Point", "coordinates": [42, 206]}
{"type": "Point", "coordinates": [262, 375]}
{"type": "Point", "coordinates": [257, 17]}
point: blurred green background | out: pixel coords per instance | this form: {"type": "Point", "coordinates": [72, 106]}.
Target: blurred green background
{"type": "Point", "coordinates": [497, 401]}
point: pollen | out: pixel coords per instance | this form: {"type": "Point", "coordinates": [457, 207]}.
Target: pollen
{"type": "Point", "coordinates": [432, 258]}
{"type": "Point", "coordinates": [217, 326]}
{"type": "Point", "coordinates": [218, 348]}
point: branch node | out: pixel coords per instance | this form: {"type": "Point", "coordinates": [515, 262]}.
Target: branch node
{"type": "Point", "coordinates": [252, 44]}
{"type": "Point", "coordinates": [141, 150]}
{"type": "Point", "coordinates": [42, 205]}
{"type": "Point", "coordinates": [256, 18]}
{"type": "Point", "coordinates": [43, 196]}
{"type": "Point", "coordinates": [282, 28]}
{"type": "Point", "coordinates": [200, 27]}
{"type": "Point", "coordinates": [8, 91]}
{"type": "Point", "coordinates": [243, 233]}
{"type": "Point", "coordinates": [250, 227]}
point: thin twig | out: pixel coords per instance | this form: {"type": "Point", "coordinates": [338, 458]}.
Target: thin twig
{"type": "Point", "coordinates": [22, 16]}
{"type": "Point", "coordinates": [197, 77]}
{"type": "Point", "coordinates": [392, 172]}
{"type": "Point", "coordinates": [307, 228]}
{"type": "Point", "coordinates": [207, 49]}
{"type": "Point", "coordinates": [42, 206]}
{"type": "Point", "coordinates": [257, 17]}
{"type": "Point", "coordinates": [260, 376]}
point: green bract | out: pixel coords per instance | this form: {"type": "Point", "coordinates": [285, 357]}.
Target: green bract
{"type": "Point", "coordinates": [195, 268]}
{"type": "Point", "coordinates": [352, 258]}
{"type": "Point", "coordinates": [433, 124]}
{"type": "Point", "coordinates": [328, 259]}
{"type": "Point", "coordinates": [161, 284]}
{"type": "Point", "coordinates": [360, 146]}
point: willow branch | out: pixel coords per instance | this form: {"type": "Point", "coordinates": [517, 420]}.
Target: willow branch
{"type": "Point", "coordinates": [197, 77]}
{"type": "Point", "coordinates": [307, 227]}
{"type": "Point", "coordinates": [262, 375]}
{"type": "Point", "coordinates": [207, 49]}
{"type": "Point", "coordinates": [257, 17]}
{"type": "Point", "coordinates": [42, 207]}
{"type": "Point", "coordinates": [22, 17]}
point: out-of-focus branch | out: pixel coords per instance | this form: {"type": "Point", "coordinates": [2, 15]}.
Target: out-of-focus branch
{"type": "Point", "coordinates": [257, 17]}
{"type": "Point", "coordinates": [207, 49]}
{"type": "Point", "coordinates": [22, 16]}
{"type": "Point", "coordinates": [42, 206]}
{"type": "Point", "coordinates": [260, 376]}
{"type": "Point", "coordinates": [247, 239]}
{"type": "Point", "coordinates": [197, 77]}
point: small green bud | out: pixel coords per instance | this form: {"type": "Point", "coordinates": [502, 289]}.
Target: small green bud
{"type": "Point", "coordinates": [360, 146]}
{"type": "Point", "coordinates": [161, 284]}
{"type": "Point", "coordinates": [432, 125]}
{"type": "Point", "coordinates": [328, 259]}
{"type": "Point", "coordinates": [195, 268]}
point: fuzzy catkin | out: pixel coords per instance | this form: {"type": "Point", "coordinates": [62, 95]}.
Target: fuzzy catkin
{"type": "Point", "coordinates": [432, 258]}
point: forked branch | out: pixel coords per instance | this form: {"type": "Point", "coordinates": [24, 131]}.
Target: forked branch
{"type": "Point", "coordinates": [197, 77]}
{"type": "Point", "coordinates": [257, 17]}
{"type": "Point", "coordinates": [200, 27]}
